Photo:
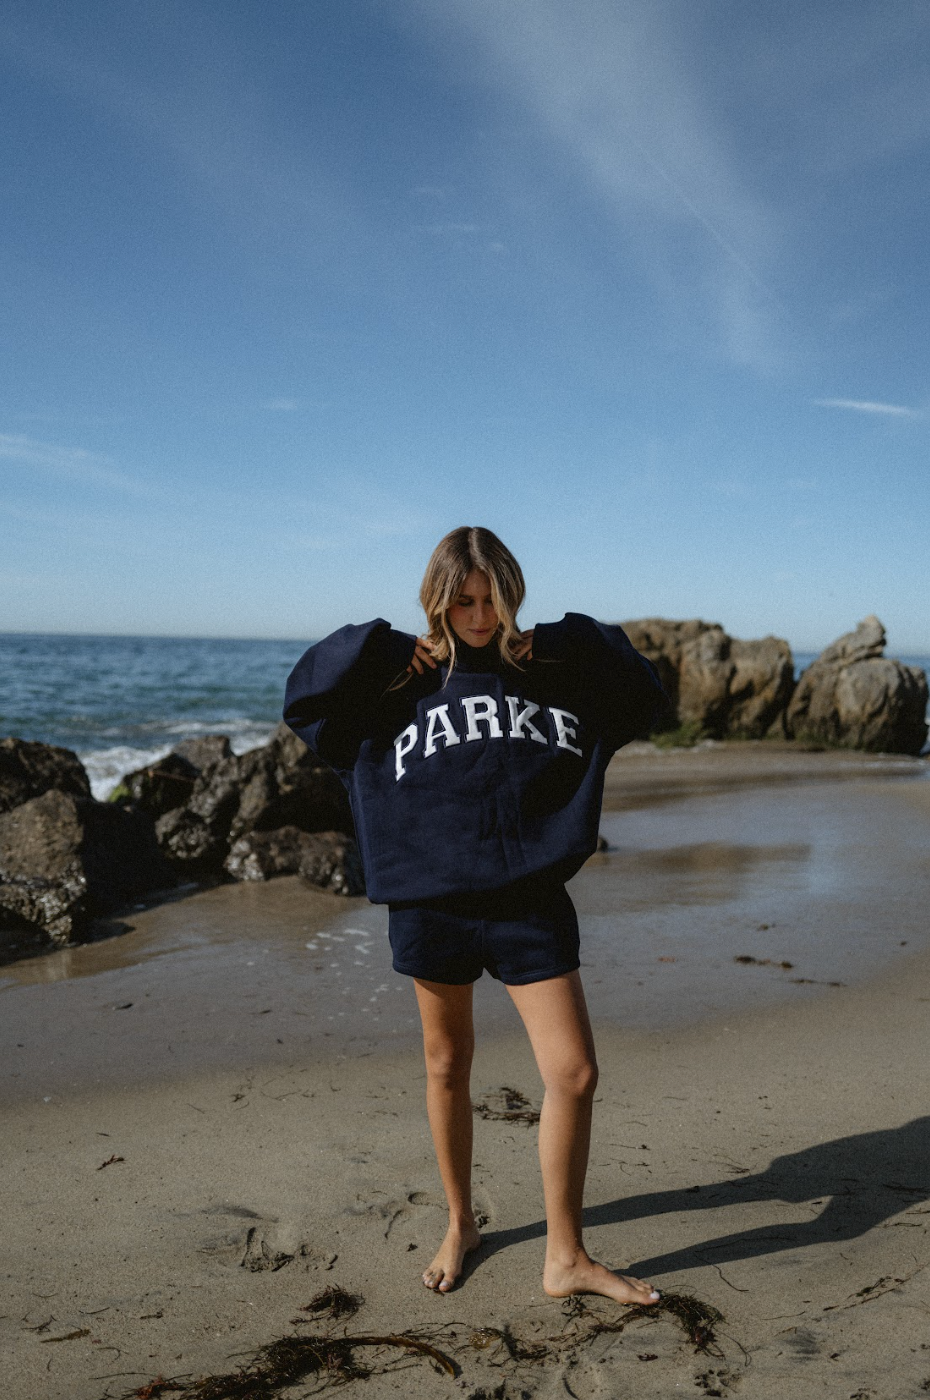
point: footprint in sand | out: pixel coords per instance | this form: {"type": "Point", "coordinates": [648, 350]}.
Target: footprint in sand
{"type": "Point", "coordinates": [267, 1245]}
{"type": "Point", "coordinates": [263, 1254]}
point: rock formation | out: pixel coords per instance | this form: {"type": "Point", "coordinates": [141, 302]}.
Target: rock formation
{"type": "Point", "coordinates": [855, 696]}
{"type": "Point", "coordinates": [27, 770]}
{"type": "Point", "coordinates": [730, 688]}
{"type": "Point", "coordinates": [205, 812]}
{"type": "Point", "coordinates": [168, 783]}
{"type": "Point", "coordinates": [327, 860]}
{"type": "Point", "coordinates": [279, 784]}
{"type": "Point", "coordinates": [65, 860]}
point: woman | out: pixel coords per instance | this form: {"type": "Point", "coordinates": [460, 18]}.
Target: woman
{"type": "Point", "coordinates": [474, 757]}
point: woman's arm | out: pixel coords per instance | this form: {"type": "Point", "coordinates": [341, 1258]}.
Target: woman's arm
{"type": "Point", "coordinates": [621, 687]}
{"type": "Point", "coordinates": [333, 692]}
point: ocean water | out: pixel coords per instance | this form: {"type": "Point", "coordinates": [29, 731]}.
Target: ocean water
{"type": "Point", "coordinates": [122, 702]}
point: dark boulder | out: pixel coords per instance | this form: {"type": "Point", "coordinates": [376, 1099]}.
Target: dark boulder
{"type": "Point", "coordinates": [204, 752]}
{"type": "Point", "coordinates": [196, 837]}
{"type": "Point", "coordinates": [65, 860]}
{"type": "Point", "coordinates": [192, 847]}
{"type": "Point", "coordinates": [157, 788]}
{"type": "Point", "coordinates": [263, 854]}
{"type": "Point", "coordinates": [279, 784]}
{"type": "Point", "coordinates": [168, 783]}
{"type": "Point", "coordinates": [284, 784]}
{"type": "Point", "coordinates": [855, 696]}
{"type": "Point", "coordinates": [28, 769]}
{"type": "Point", "coordinates": [327, 860]}
{"type": "Point", "coordinates": [730, 688]}
{"type": "Point", "coordinates": [332, 862]}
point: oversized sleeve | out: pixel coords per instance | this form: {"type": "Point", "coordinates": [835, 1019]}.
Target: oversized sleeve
{"type": "Point", "coordinates": [618, 685]}
{"type": "Point", "coordinates": [332, 694]}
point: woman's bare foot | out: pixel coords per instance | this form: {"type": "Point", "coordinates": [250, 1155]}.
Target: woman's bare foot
{"type": "Point", "coordinates": [584, 1275]}
{"type": "Point", "coordinates": [446, 1267]}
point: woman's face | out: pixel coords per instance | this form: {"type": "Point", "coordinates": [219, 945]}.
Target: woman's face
{"type": "Point", "coordinates": [471, 615]}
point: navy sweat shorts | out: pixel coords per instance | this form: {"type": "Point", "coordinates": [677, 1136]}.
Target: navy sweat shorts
{"type": "Point", "coordinates": [526, 932]}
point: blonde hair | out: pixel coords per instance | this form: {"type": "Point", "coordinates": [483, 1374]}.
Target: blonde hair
{"type": "Point", "coordinates": [471, 547]}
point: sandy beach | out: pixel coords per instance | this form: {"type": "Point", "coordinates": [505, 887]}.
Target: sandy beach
{"type": "Point", "coordinates": [211, 1118]}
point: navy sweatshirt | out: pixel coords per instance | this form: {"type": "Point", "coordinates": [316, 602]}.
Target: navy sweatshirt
{"type": "Point", "coordinates": [473, 780]}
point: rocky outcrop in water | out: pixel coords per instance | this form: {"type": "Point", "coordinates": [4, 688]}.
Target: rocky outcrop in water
{"type": "Point", "coordinates": [855, 696]}
{"type": "Point", "coordinates": [168, 783]}
{"type": "Point", "coordinates": [280, 784]}
{"type": "Point", "coordinates": [28, 769]}
{"type": "Point", "coordinates": [327, 860]}
{"type": "Point", "coordinates": [66, 860]}
{"type": "Point", "coordinates": [726, 687]}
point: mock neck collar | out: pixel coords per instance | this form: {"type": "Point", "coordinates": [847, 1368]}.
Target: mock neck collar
{"type": "Point", "coordinates": [476, 659]}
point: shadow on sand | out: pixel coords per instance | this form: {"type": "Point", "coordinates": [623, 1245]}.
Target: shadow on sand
{"type": "Point", "coordinates": [861, 1181]}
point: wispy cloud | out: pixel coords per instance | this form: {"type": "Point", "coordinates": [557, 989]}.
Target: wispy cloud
{"type": "Point", "coordinates": [75, 463]}
{"type": "Point", "coordinates": [282, 405]}
{"type": "Point", "coordinates": [892, 410]}
{"type": "Point", "coordinates": [613, 86]}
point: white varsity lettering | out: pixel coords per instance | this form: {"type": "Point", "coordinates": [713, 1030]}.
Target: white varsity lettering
{"type": "Point", "coordinates": [481, 709]}
{"type": "Point", "coordinates": [402, 745]}
{"type": "Point", "coordinates": [564, 731]}
{"type": "Point", "coordinates": [439, 725]}
{"type": "Point", "coordinates": [521, 721]}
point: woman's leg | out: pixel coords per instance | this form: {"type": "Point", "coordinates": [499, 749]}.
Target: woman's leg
{"type": "Point", "coordinates": [556, 1019]}
{"type": "Point", "coordinates": [448, 1046]}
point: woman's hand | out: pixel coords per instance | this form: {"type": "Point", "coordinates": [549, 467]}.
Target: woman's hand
{"type": "Point", "coordinates": [422, 656]}
{"type": "Point", "coordinates": [525, 648]}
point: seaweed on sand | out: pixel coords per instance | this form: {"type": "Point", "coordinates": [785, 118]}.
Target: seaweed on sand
{"type": "Point", "coordinates": [287, 1362]}
{"type": "Point", "coordinates": [327, 1361]}
{"type": "Point", "coordinates": [333, 1302]}
{"type": "Point", "coordinates": [698, 1319]}
{"type": "Point", "coordinates": [516, 1348]}
{"type": "Point", "coordinates": [514, 1107]}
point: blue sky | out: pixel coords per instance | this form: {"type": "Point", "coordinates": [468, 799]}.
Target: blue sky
{"type": "Point", "coordinates": [291, 289]}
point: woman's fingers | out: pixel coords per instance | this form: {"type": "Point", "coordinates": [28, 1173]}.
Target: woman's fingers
{"type": "Point", "coordinates": [525, 647]}
{"type": "Point", "coordinates": [422, 655]}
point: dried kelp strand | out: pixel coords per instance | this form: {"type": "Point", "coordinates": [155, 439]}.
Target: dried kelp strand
{"type": "Point", "coordinates": [290, 1360]}
{"type": "Point", "coordinates": [698, 1319]}
{"type": "Point", "coordinates": [334, 1302]}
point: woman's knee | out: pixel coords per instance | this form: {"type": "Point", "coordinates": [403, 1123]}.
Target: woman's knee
{"type": "Point", "coordinates": [448, 1062]}
{"type": "Point", "coordinates": [575, 1079]}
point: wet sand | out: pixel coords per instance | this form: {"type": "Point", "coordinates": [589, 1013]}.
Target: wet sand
{"type": "Point", "coordinates": [263, 1100]}
{"type": "Point", "coordinates": [714, 855]}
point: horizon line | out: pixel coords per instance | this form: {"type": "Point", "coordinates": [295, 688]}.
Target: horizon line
{"type": "Point", "coordinates": [919, 654]}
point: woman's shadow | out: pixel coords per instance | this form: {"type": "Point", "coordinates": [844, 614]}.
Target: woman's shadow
{"type": "Point", "coordinates": [860, 1180]}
